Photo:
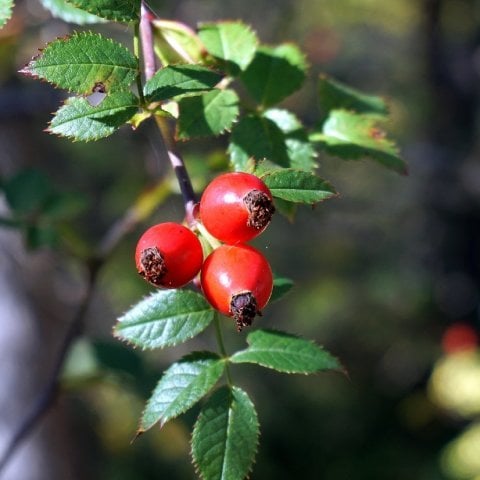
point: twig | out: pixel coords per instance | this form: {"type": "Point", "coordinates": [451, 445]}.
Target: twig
{"type": "Point", "coordinates": [174, 156]}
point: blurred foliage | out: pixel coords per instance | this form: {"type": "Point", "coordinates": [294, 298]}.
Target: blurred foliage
{"type": "Point", "coordinates": [369, 267]}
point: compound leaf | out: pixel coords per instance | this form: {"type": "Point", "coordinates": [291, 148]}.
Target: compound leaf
{"type": "Point", "coordinates": [164, 319]}
{"type": "Point", "coordinates": [225, 436]}
{"type": "Point", "coordinates": [67, 12]}
{"type": "Point", "coordinates": [352, 136]}
{"type": "Point", "coordinates": [210, 113]}
{"type": "Point", "coordinates": [6, 8]}
{"type": "Point", "coordinates": [85, 62]}
{"type": "Point", "coordinates": [232, 44]}
{"type": "Point", "coordinates": [179, 79]}
{"type": "Point", "coordinates": [79, 120]}
{"type": "Point", "coordinates": [285, 353]}
{"type": "Point", "coordinates": [298, 186]}
{"type": "Point", "coordinates": [181, 386]}
{"type": "Point", "coordinates": [275, 73]}
{"type": "Point", "coordinates": [335, 95]}
{"type": "Point", "coordinates": [115, 10]}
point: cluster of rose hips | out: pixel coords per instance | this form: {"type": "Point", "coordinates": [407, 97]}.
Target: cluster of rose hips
{"type": "Point", "coordinates": [235, 278]}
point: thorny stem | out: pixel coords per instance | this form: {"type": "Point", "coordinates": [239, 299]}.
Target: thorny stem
{"type": "Point", "coordinates": [173, 154]}
{"type": "Point", "coordinates": [221, 346]}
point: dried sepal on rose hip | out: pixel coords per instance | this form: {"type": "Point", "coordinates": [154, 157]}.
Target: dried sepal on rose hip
{"type": "Point", "coordinates": [236, 207]}
{"type": "Point", "coordinates": [237, 281]}
{"type": "Point", "coordinates": [168, 255]}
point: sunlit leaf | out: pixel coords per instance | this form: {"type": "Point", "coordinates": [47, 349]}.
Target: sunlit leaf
{"type": "Point", "coordinates": [298, 186]}
{"type": "Point", "coordinates": [300, 150]}
{"type": "Point", "coordinates": [353, 136]}
{"type": "Point", "coordinates": [182, 385]}
{"type": "Point", "coordinates": [78, 120]}
{"type": "Point", "coordinates": [179, 79]}
{"type": "Point", "coordinates": [6, 7]}
{"type": "Point", "coordinates": [120, 11]}
{"type": "Point", "coordinates": [275, 73]}
{"type": "Point", "coordinates": [84, 62]}
{"type": "Point", "coordinates": [225, 436]}
{"type": "Point", "coordinates": [165, 318]}
{"type": "Point", "coordinates": [285, 353]}
{"type": "Point", "coordinates": [207, 114]}
{"type": "Point", "coordinates": [233, 44]}
{"type": "Point", "coordinates": [67, 12]}
{"type": "Point", "coordinates": [175, 42]}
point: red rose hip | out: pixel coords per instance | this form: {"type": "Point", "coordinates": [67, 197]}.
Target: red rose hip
{"type": "Point", "coordinates": [236, 207]}
{"type": "Point", "coordinates": [237, 281]}
{"type": "Point", "coordinates": [168, 255]}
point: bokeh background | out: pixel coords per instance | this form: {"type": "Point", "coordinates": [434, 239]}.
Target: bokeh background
{"type": "Point", "coordinates": [385, 274]}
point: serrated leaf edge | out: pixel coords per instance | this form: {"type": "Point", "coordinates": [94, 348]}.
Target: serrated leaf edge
{"type": "Point", "coordinates": [110, 19]}
{"type": "Point", "coordinates": [257, 442]}
{"type": "Point", "coordinates": [116, 334]}
{"type": "Point", "coordinates": [342, 369]}
{"type": "Point", "coordinates": [334, 193]}
{"type": "Point", "coordinates": [161, 421]}
{"type": "Point", "coordinates": [72, 137]}
{"type": "Point", "coordinates": [26, 70]}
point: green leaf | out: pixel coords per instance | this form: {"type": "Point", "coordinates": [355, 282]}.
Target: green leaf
{"type": "Point", "coordinates": [257, 138]}
{"type": "Point", "coordinates": [352, 136]}
{"type": "Point", "coordinates": [119, 11]}
{"type": "Point", "coordinates": [233, 44]}
{"type": "Point", "coordinates": [335, 95]}
{"type": "Point", "coordinates": [175, 42]}
{"type": "Point", "coordinates": [299, 149]}
{"type": "Point", "coordinates": [67, 12]}
{"type": "Point", "coordinates": [285, 353]}
{"type": "Point", "coordinates": [83, 62]}
{"type": "Point", "coordinates": [78, 120]}
{"type": "Point", "coordinates": [275, 73]}
{"type": "Point", "coordinates": [281, 286]}
{"type": "Point", "coordinates": [207, 114]}
{"type": "Point", "coordinates": [164, 319]}
{"type": "Point", "coordinates": [298, 186]}
{"type": "Point", "coordinates": [6, 8]}
{"type": "Point", "coordinates": [225, 436]}
{"type": "Point", "coordinates": [179, 79]}
{"type": "Point", "coordinates": [181, 386]}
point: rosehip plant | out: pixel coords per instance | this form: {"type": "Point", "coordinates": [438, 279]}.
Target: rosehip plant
{"type": "Point", "coordinates": [215, 80]}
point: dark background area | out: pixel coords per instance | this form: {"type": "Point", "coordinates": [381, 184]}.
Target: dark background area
{"type": "Point", "coordinates": [381, 272]}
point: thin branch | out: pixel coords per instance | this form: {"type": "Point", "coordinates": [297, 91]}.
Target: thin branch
{"type": "Point", "coordinates": [174, 156]}
{"type": "Point", "coordinates": [146, 35]}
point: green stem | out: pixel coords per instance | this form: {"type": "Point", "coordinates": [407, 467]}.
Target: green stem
{"type": "Point", "coordinates": [221, 346]}
{"type": "Point", "coordinates": [136, 51]}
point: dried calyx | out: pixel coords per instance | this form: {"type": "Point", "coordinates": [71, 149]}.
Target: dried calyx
{"type": "Point", "coordinates": [153, 267]}
{"type": "Point", "coordinates": [260, 209]}
{"type": "Point", "coordinates": [243, 308]}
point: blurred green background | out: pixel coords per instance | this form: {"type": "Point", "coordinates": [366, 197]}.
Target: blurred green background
{"type": "Point", "coordinates": [381, 272]}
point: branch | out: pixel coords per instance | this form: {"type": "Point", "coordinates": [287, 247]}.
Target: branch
{"type": "Point", "coordinates": [174, 156]}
